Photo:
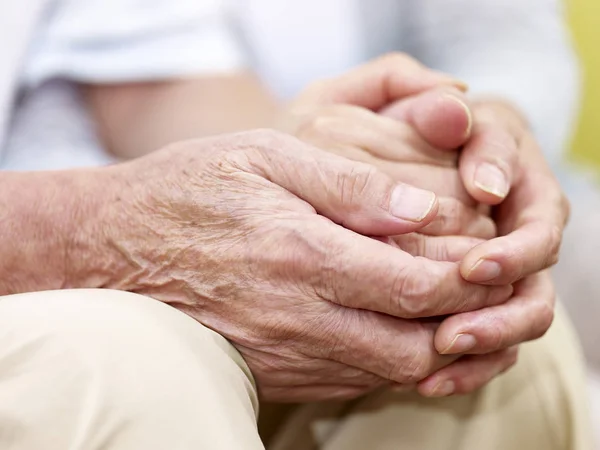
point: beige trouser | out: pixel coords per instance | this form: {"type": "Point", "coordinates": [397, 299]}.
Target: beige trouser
{"type": "Point", "coordinates": [95, 369]}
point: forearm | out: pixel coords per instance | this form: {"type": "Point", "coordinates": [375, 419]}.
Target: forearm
{"type": "Point", "coordinates": [135, 119]}
{"type": "Point", "coordinates": [52, 229]}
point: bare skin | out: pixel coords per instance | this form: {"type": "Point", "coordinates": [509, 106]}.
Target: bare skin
{"type": "Point", "coordinates": [243, 233]}
{"type": "Point", "coordinates": [408, 122]}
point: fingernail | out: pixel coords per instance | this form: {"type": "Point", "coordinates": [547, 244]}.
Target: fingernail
{"type": "Point", "coordinates": [443, 389]}
{"type": "Point", "coordinates": [460, 85]}
{"type": "Point", "coordinates": [464, 106]}
{"type": "Point", "coordinates": [491, 179]}
{"type": "Point", "coordinates": [411, 203]}
{"type": "Point", "coordinates": [484, 270]}
{"type": "Point", "coordinates": [462, 343]}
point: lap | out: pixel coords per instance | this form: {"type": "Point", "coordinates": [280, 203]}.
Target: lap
{"type": "Point", "coordinates": [99, 369]}
{"type": "Point", "coordinates": [91, 369]}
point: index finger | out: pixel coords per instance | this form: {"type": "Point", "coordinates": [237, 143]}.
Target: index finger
{"type": "Point", "coordinates": [531, 220]}
{"type": "Point", "coordinates": [362, 273]}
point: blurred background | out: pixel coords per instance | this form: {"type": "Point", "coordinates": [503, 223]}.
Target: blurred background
{"type": "Point", "coordinates": [577, 273]}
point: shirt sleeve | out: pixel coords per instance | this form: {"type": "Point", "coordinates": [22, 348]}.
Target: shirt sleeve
{"type": "Point", "coordinates": [520, 50]}
{"type": "Point", "coordinates": [106, 41]}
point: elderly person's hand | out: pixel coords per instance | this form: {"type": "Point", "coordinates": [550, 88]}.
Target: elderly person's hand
{"type": "Point", "coordinates": [262, 238]}
{"type": "Point", "coordinates": [503, 165]}
{"type": "Point", "coordinates": [395, 114]}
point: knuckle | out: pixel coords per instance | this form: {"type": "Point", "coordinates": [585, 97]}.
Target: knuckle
{"type": "Point", "coordinates": [497, 334]}
{"type": "Point", "coordinates": [414, 290]}
{"type": "Point", "coordinates": [356, 182]}
{"type": "Point", "coordinates": [432, 249]}
{"type": "Point", "coordinates": [419, 245]}
{"type": "Point", "coordinates": [266, 143]}
{"type": "Point", "coordinates": [411, 370]}
{"type": "Point", "coordinates": [450, 216]}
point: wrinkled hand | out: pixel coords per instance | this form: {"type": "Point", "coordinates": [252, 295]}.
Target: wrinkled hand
{"type": "Point", "coordinates": [333, 115]}
{"type": "Point", "coordinates": [503, 165]}
{"type": "Point", "coordinates": [262, 238]}
{"type": "Point", "coordinates": [411, 139]}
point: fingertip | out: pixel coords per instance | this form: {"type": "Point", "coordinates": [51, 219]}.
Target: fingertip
{"type": "Point", "coordinates": [488, 163]}
{"type": "Point", "coordinates": [443, 118]}
{"type": "Point", "coordinates": [492, 182]}
{"type": "Point", "coordinates": [458, 344]}
{"type": "Point", "coordinates": [482, 271]}
{"type": "Point", "coordinates": [467, 114]}
{"type": "Point", "coordinates": [412, 204]}
{"type": "Point", "coordinates": [482, 264]}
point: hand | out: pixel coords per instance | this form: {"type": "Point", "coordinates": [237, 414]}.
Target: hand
{"type": "Point", "coordinates": [244, 233]}
{"type": "Point", "coordinates": [502, 164]}
{"type": "Point", "coordinates": [415, 149]}
{"type": "Point", "coordinates": [432, 118]}
{"type": "Point", "coordinates": [531, 214]}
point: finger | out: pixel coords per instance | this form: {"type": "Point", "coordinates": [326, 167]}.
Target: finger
{"type": "Point", "coordinates": [437, 248]}
{"type": "Point", "coordinates": [525, 317]}
{"type": "Point", "coordinates": [378, 277]}
{"type": "Point", "coordinates": [380, 136]}
{"type": "Point", "coordinates": [532, 219]}
{"type": "Point", "coordinates": [284, 370]}
{"type": "Point", "coordinates": [378, 83]}
{"type": "Point", "coordinates": [443, 181]}
{"type": "Point", "coordinates": [396, 350]}
{"type": "Point", "coordinates": [455, 218]}
{"type": "Point", "coordinates": [442, 116]}
{"type": "Point", "coordinates": [468, 374]}
{"type": "Point", "coordinates": [488, 163]}
{"type": "Point", "coordinates": [352, 194]}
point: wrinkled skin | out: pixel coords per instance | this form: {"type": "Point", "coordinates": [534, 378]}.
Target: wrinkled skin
{"type": "Point", "coordinates": [262, 238]}
{"type": "Point", "coordinates": [420, 128]}
{"type": "Point", "coordinates": [243, 233]}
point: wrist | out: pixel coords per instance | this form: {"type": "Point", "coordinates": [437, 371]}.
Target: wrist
{"type": "Point", "coordinates": [45, 229]}
{"type": "Point", "coordinates": [91, 260]}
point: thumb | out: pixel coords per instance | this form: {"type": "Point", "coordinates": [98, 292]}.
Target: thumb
{"type": "Point", "coordinates": [441, 116]}
{"type": "Point", "coordinates": [352, 194]}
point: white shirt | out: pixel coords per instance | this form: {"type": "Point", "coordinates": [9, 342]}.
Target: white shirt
{"type": "Point", "coordinates": [518, 49]}
{"type": "Point", "coordinates": [105, 41]}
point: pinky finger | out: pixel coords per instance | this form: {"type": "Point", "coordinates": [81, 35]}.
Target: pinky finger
{"type": "Point", "coordinates": [468, 374]}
